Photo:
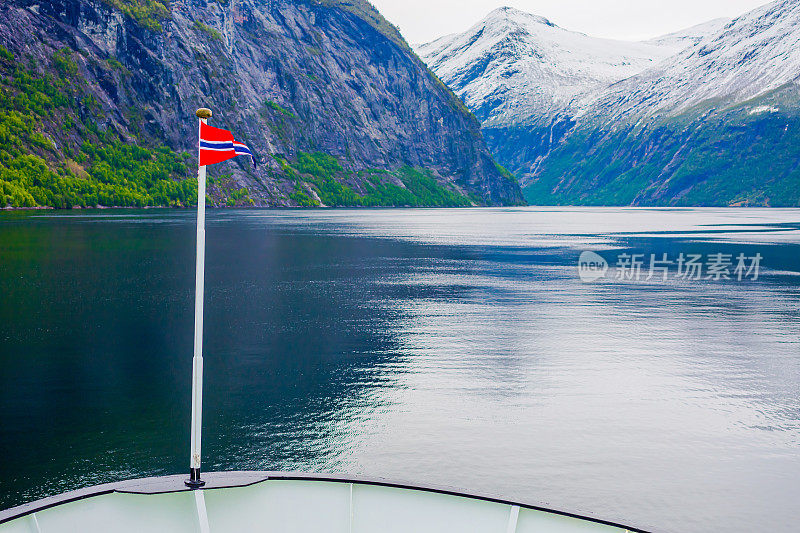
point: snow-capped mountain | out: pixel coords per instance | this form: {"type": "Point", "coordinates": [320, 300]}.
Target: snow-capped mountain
{"type": "Point", "coordinates": [515, 68]}
{"type": "Point", "coordinates": [704, 116]}
{"type": "Point", "coordinates": [527, 80]}
{"type": "Point", "coordinates": [716, 124]}
{"type": "Point", "coordinates": [749, 57]}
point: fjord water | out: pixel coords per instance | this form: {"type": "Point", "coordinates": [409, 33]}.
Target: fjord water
{"type": "Point", "coordinates": [454, 347]}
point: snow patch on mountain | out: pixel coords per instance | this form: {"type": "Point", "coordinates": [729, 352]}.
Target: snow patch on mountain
{"type": "Point", "coordinates": [761, 109]}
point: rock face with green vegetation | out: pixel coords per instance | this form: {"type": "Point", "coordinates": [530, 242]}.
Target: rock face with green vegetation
{"type": "Point", "coordinates": [97, 101]}
{"type": "Point", "coordinates": [741, 154]}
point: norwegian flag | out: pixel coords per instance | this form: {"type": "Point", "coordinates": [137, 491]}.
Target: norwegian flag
{"type": "Point", "coordinates": [217, 145]}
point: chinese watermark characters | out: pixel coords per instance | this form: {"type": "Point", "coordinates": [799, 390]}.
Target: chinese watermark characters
{"type": "Point", "coordinates": [662, 267]}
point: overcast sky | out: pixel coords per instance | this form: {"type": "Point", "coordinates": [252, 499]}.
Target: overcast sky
{"type": "Point", "coordinates": [424, 20]}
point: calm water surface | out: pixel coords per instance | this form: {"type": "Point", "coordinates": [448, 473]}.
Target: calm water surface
{"type": "Point", "coordinates": [454, 347]}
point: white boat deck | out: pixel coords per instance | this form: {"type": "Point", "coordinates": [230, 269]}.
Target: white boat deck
{"type": "Point", "coordinates": [271, 502]}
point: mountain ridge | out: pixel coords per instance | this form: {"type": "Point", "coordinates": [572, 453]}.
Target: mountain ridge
{"type": "Point", "coordinates": [681, 39]}
{"type": "Point", "coordinates": [510, 48]}
{"type": "Point", "coordinates": [748, 57]}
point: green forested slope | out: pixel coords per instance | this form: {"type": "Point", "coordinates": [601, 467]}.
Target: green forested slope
{"type": "Point", "coordinates": [743, 155]}
{"type": "Point", "coordinates": [53, 153]}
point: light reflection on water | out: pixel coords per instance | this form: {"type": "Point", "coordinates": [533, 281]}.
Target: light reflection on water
{"type": "Point", "coordinates": [451, 347]}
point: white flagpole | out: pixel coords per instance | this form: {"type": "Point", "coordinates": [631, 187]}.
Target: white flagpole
{"type": "Point", "coordinates": [194, 480]}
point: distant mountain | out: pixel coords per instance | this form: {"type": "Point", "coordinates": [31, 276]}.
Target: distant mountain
{"type": "Point", "coordinates": [717, 124]}
{"type": "Point", "coordinates": [755, 54]}
{"type": "Point", "coordinates": [97, 101]}
{"type": "Point", "coordinates": [527, 79]}
{"type": "Point", "coordinates": [708, 119]}
{"type": "Point", "coordinates": [517, 68]}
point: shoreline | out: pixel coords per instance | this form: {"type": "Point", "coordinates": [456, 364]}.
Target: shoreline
{"type": "Point", "coordinates": [322, 207]}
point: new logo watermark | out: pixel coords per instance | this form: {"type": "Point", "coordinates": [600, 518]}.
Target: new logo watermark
{"type": "Point", "coordinates": [591, 267]}
{"type": "Point", "coordinates": [662, 267]}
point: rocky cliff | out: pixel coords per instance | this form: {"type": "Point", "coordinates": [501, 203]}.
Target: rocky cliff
{"type": "Point", "coordinates": [335, 105]}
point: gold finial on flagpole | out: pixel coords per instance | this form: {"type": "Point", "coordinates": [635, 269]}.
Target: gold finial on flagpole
{"type": "Point", "coordinates": [203, 112]}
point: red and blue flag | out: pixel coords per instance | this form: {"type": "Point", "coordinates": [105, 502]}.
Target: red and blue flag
{"type": "Point", "coordinates": [217, 145]}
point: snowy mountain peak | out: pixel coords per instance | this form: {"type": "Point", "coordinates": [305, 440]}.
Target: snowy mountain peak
{"type": "Point", "coordinates": [514, 15]}
{"type": "Point", "coordinates": [515, 67]}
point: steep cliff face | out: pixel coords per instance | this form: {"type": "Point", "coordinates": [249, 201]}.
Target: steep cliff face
{"type": "Point", "coordinates": [336, 107]}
